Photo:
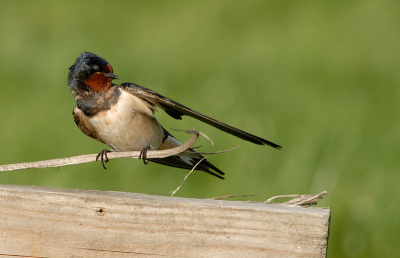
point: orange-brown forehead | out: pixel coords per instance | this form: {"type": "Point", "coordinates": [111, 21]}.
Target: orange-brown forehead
{"type": "Point", "coordinates": [108, 68]}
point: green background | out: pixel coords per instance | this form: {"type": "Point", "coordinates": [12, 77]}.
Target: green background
{"type": "Point", "coordinates": [319, 78]}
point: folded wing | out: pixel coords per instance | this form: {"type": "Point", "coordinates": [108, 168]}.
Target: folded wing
{"type": "Point", "coordinates": [176, 110]}
{"type": "Point", "coordinates": [84, 125]}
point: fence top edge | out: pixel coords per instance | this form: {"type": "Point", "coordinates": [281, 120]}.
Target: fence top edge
{"type": "Point", "coordinates": [146, 197]}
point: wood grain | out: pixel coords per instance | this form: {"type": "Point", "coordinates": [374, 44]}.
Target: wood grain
{"type": "Point", "coordinates": [49, 222]}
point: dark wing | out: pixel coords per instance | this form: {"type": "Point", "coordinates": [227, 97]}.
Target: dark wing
{"type": "Point", "coordinates": [83, 124]}
{"type": "Point", "coordinates": [176, 110]}
{"type": "Point", "coordinates": [177, 162]}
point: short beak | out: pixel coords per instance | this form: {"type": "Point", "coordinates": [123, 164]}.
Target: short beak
{"type": "Point", "coordinates": [112, 76]}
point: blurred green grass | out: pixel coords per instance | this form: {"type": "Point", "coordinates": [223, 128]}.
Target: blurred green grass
{"type": "Point", "coordinates": [319, 78]}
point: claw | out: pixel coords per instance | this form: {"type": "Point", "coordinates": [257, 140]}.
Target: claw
{"type": "Point", "coordinates": [103, 157]}
{"type": "Point", "coordinates": [143, 154]}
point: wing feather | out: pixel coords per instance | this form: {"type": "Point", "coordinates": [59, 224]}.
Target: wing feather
{"type": "Point", "coordinates": [176, 110]}
{"type": "Point", "coordinates": [84, 125]}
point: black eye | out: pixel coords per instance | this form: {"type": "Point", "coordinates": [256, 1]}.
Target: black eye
{"type": "Point", "coordinates": [96, 67]}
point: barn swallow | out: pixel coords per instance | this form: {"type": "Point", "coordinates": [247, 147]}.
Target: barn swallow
{"type": "Point", "coordinates": [122, 116]}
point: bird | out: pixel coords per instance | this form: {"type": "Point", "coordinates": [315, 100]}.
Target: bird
{"type": "Point", "coordinates": [122, 116]}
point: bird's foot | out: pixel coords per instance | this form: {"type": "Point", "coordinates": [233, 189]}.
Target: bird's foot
{"type": "Point", "coordinates": [143, 154]}
{"type": "Point", "coordinates": [103, 157]}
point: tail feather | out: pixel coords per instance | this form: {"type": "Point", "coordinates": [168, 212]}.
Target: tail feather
{"type": "Point", "coordinates": [187, 160]}
{"type": "Point", "coordinates": [178, 162]}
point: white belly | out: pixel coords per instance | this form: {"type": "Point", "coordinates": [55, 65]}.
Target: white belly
{"type": "Point", "coordinates": [129, 125]}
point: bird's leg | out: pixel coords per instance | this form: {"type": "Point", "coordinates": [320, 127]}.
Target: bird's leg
{"type": "Point", "coordinates": [143, 154]}
{"type": "Point", "coordinates": [103, 157]}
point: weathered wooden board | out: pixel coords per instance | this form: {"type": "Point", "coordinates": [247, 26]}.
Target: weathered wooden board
{"type": "Point", "coordinates": [48, 222]}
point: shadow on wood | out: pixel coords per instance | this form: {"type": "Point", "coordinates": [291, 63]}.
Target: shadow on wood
{"type": "Point", "coordinates": [50, 222]}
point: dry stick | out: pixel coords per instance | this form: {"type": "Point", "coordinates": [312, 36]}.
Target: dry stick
{"type": "Point", "coordinates": [299, 200]}
{"type": "Point", "coordinates": [216, 152]}
{"type": "Point", "coordinates": [193, 131]}
{"type": "Point", "coordinates": [176, 190]}
{"type": "Point", "coordinates": [110, 155]}
{"type": "Point", "coordinates": [232, 195]}
{"type": "Point", "coordinates": [307, 199]}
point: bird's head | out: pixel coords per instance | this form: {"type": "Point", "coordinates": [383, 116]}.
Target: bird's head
{"type": "Point", "coordinates": [91, 72]}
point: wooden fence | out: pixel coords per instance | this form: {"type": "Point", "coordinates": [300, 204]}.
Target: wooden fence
{"type": "Point", "coordinates": [50, 222]}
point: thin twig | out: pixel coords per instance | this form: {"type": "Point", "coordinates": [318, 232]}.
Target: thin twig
{"type": "Point", "coordinates": [307, 199]}
{"type": "Point", "coordinates": [216, 152]}
{"type": "Point", "coordinates": [176, 190]}
{"type": "Point", "coordinates": [232, 195]}
{"type": "Point", "coordinates": [299, 200]}
{"type": "Point", "coordinates": [110, 155]}
{"type": "Point", "coordinates": [194, 130]}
